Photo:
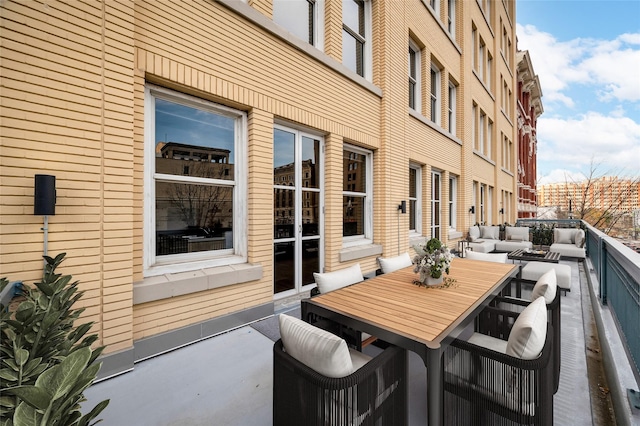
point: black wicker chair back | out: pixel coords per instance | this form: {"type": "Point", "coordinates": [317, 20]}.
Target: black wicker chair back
{"type": "Point", "coordinates": [375, 394]}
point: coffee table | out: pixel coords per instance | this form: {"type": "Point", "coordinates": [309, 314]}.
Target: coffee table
{"type": "Point", "coordinates": [535, 255]}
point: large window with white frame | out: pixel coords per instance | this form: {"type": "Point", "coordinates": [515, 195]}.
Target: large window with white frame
{"type": "Point", "coordinates": [435, 94]}
{"type": "Point", "coordinates": [453, 203]}
{"type": "Point", "coordinates": [303, 18]}
{"type": "Point", "coordinates": [436, 204]}
{"type": "Point", "coordinates": [415, 199]}
{"type": "Point", "coordinates": [195, 185]}
{"type": "Point", "coordinates": [435, 5]}
{"type": "Point", "coordinates": [414, 76]}
{"type": "Point", "coordinates": [356, 36]}
{"type": "Point", "coordinates": [356, 195]}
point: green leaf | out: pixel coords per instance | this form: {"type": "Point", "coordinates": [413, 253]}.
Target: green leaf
{"type": "Point", "coordinates": [7, 401]}
{"type": "Point", "coordinates": [7, 374]}
{"type": "Point", "coordinates": [26, 415]}
{"type": "Point", "coordinates": [25, 311]}
{"type": "Point", "coordinates": [32, 395]}
{"type": "Point", "coordinates": [22, 356]}
{"type": "Point", "coordinates": [59, 379]}
{"type": "Point", "coordinates": [84, 421]}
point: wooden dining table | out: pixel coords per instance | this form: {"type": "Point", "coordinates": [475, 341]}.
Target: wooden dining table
{"type": "Point", "coordinates": [421, 319]}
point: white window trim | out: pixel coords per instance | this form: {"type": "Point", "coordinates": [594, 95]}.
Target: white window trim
{"type": "Point", "coordinates": [418, 199]}
{"type": "Point", "coordinates": [452, 108]}
{"type": "Point", "coordinates": [318, 24]}
{"type": "Point", "coordinates": [181, 263]}
{"type": "Point", "coordinates": [433, 202]}
{"type": "Point", "coordinates": [418, 80]}
{"type": "Point", "coordinates": [367, 61]}
{"type": "Point", "coordinates": [357, 240]}
{"type": "Point", "coordinates": [436, 96]}
{"type": "Point", "coordinates": [453, 202]}
{"type": "Point", "coordinates": [451, 12]}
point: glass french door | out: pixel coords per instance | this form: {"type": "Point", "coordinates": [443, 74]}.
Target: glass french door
{"type": "Point", "coordinates": [297, 184]}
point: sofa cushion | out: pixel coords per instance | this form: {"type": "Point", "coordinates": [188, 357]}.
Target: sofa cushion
{"type": "Point", "coordinates": [564, 236]}
{"type": "Point", "coordinates": [391, 264]}
{"type": "Point", "coordinates": [532, 271]}
{"type": "Point", "coordinates": [329, 281]}
{"type": "Point", "coordinates": [546, 286]}
{"type": "Point", "coordinates": [579, 238]}
{"type": "Point", "coordinates": [318, 349]}
{"type": "Point", "coordinates": [483, 246]}
{"type": "Point", "coordinates": [568, 250]}
{"type": "Point", "coordinates": [474, 233]}
{"type": "Point", "coordinates": [509, 246]}
{"type": "Point", "coordinates": [487, 257]}
{"type": "Point", "coordinates": [529, 332]}
{"type": "Point", "coordinates": [490, 232]}
{"type": "Point", "coordinates": [516, 233]}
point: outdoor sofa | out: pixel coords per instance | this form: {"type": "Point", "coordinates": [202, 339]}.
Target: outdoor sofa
{"type": "Point", "coordinates": [486, 239]}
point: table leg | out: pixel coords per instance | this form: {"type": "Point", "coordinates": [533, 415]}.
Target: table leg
{"type": "Point", "coordinates": [435, 387]}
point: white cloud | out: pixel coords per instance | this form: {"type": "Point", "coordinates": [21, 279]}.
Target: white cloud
{"type": "Point", "coordinates": [611, 64]}
{"type": "Point", "coordinates": [613, 141]}
{"type": "Point", "coordinates": [559, 176]}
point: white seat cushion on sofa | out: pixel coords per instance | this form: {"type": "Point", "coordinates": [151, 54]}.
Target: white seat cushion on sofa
{"type": "Point", "coordinates": [390, 264]}
{"type": "Point", "coordinates": [532, 271]}
{"type": "Point", "coordinates": [318, 349]}
{"type": "Point", "coordinates": [568, 250]}
{"type": "Point", "coordinates": [509, 246]}
{"type": "Point", "coordinates": [487, 257]}
{"type": "Point", "coordinates": [483, 246]}
{"type": "Point", "coordinates": [329, 281]}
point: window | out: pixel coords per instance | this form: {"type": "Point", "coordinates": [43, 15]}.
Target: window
{"type": "Point", "coordinates": [489, 205]}
{"type": "Point", "coordinates": [451, 17]}
{"type": "Point", "coordinates": [435, 6]}
{"type": "Point", "coordinates": [481, 58]}
{"type": "Point", "coordinates": [194, 182]}
{"type": "Point", "coordinates": [451, 110]}
{"type": "Point", "coordinates": [436, 208]}
{"type": "Point", "coordinates": [481, 205]}
{"type": "Point", "coordinates": [435, 94]}
{"type": "Point", "coordinates": [474, 125]}
{"type": "Point", "coordinates": [482, 131]}
{"type": "Point", "coordinates": [474, 43]}
{"type": "Point", "coordinates": [489, 139]}
{"type": "Point", "coordinates": [356, 18]}
{"type": "Point", "coordinates": [487, 78]}
{"type": "Point", "coordinates": [415, 199]}
{"type": "Point", "coordinates": [356, 195]}
{"type": "Point", "coordinates": [453, 204]}
{"type": "Point", "coordinates": [300, 17]}
{"type": "Point", "coordinates": [414, 76]}
{"type": "Point", "coordinates": [507, 153]}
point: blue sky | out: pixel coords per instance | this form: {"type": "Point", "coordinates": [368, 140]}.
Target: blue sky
{"type": "Point", "coordinates": [586, 54]}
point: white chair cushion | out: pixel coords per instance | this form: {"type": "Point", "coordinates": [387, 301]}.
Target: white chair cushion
{"type": "Point", "coordinates": [487, 257]}
{"type": "Point", "coordinates": [489, 342]}
{"type": "Point", "coordinates": [564, 236]}
{"type": "Point", "coordinates": [490, 232]}
{"type": "Point", "coordinates": [516, 233]}
{"type": "Point", "coordinates": [318, 349]}
{"type": "Point", "coordinates": [329, 281]}
{"type": "Point", "coordinates": [546, 286]}
{"type": "Point", "coordinates": [391, 264]}
{"type": "Point", "coordinates": [474, 233]}
{"type": "Point", "coordinates": [579, 238]}
{"type": "Point", "coordinates": [529, 332]}
{"type": "Point", "coordinates": [532, 271]}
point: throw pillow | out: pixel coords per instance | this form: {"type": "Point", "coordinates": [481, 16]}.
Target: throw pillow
{"type": "Point", "coordinates": [580, 238]}
{"type": "Point", "coordinates": [318, 349]}
{"type": "Point", "coordinates": [391, 264]}
{"type": "Point", "coordinates": [490, 232]}
{"type": "Point", "coordinates": [329, 281]}
{"type": "Point", "coordinates": [546, 286]}
{"type": "Point", "coordinates": [517, 233]}
{"type": "Point", "coordinates": [474, 233]}
{"type": "Point", "coordinates": [529, 332]}
{"type": "Point", "coordinates": [563, 236]}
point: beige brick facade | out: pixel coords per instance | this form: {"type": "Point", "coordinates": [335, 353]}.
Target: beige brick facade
{"type": "Point", "coordinates": [73, 105]}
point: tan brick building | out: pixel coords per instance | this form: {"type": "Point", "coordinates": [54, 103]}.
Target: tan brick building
{"type": "Point", "coordinates": [211, 155]}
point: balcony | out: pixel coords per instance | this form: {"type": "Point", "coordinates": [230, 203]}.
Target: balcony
{"type": "Point", "coordinates": [227, 379]}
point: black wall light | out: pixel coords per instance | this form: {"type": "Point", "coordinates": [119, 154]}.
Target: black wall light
{"type": "Point", "coordinates": [402, 206]}
{"type": "Point", "coordinates": [501, 211]}
{"type": "Point", "coordinates": [44, 202]}
{"type": "Point", "coordinates": [472, 210]}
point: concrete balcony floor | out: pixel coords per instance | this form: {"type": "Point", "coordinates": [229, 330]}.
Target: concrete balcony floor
{"type": "Point", "coordinates": [227, 379]}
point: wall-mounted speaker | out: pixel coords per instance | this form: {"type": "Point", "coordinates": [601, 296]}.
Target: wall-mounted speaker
{"type": "Point", "coordinates": [44, 202]}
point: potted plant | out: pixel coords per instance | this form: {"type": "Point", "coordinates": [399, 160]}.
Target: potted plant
{"type": "Point", "coordinates": [431, 262]}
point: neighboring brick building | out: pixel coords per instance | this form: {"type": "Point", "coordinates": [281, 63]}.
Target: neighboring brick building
{"type": "Point", "coordinates": [301, 126]}
{"type": "Point", "coordinates": [603, 193]}
{"type": "Point", "coordinates": [529, 108]}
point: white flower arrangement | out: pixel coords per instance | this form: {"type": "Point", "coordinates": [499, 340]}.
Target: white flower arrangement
{"type": "Point", "coordinates": [432, 260]}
